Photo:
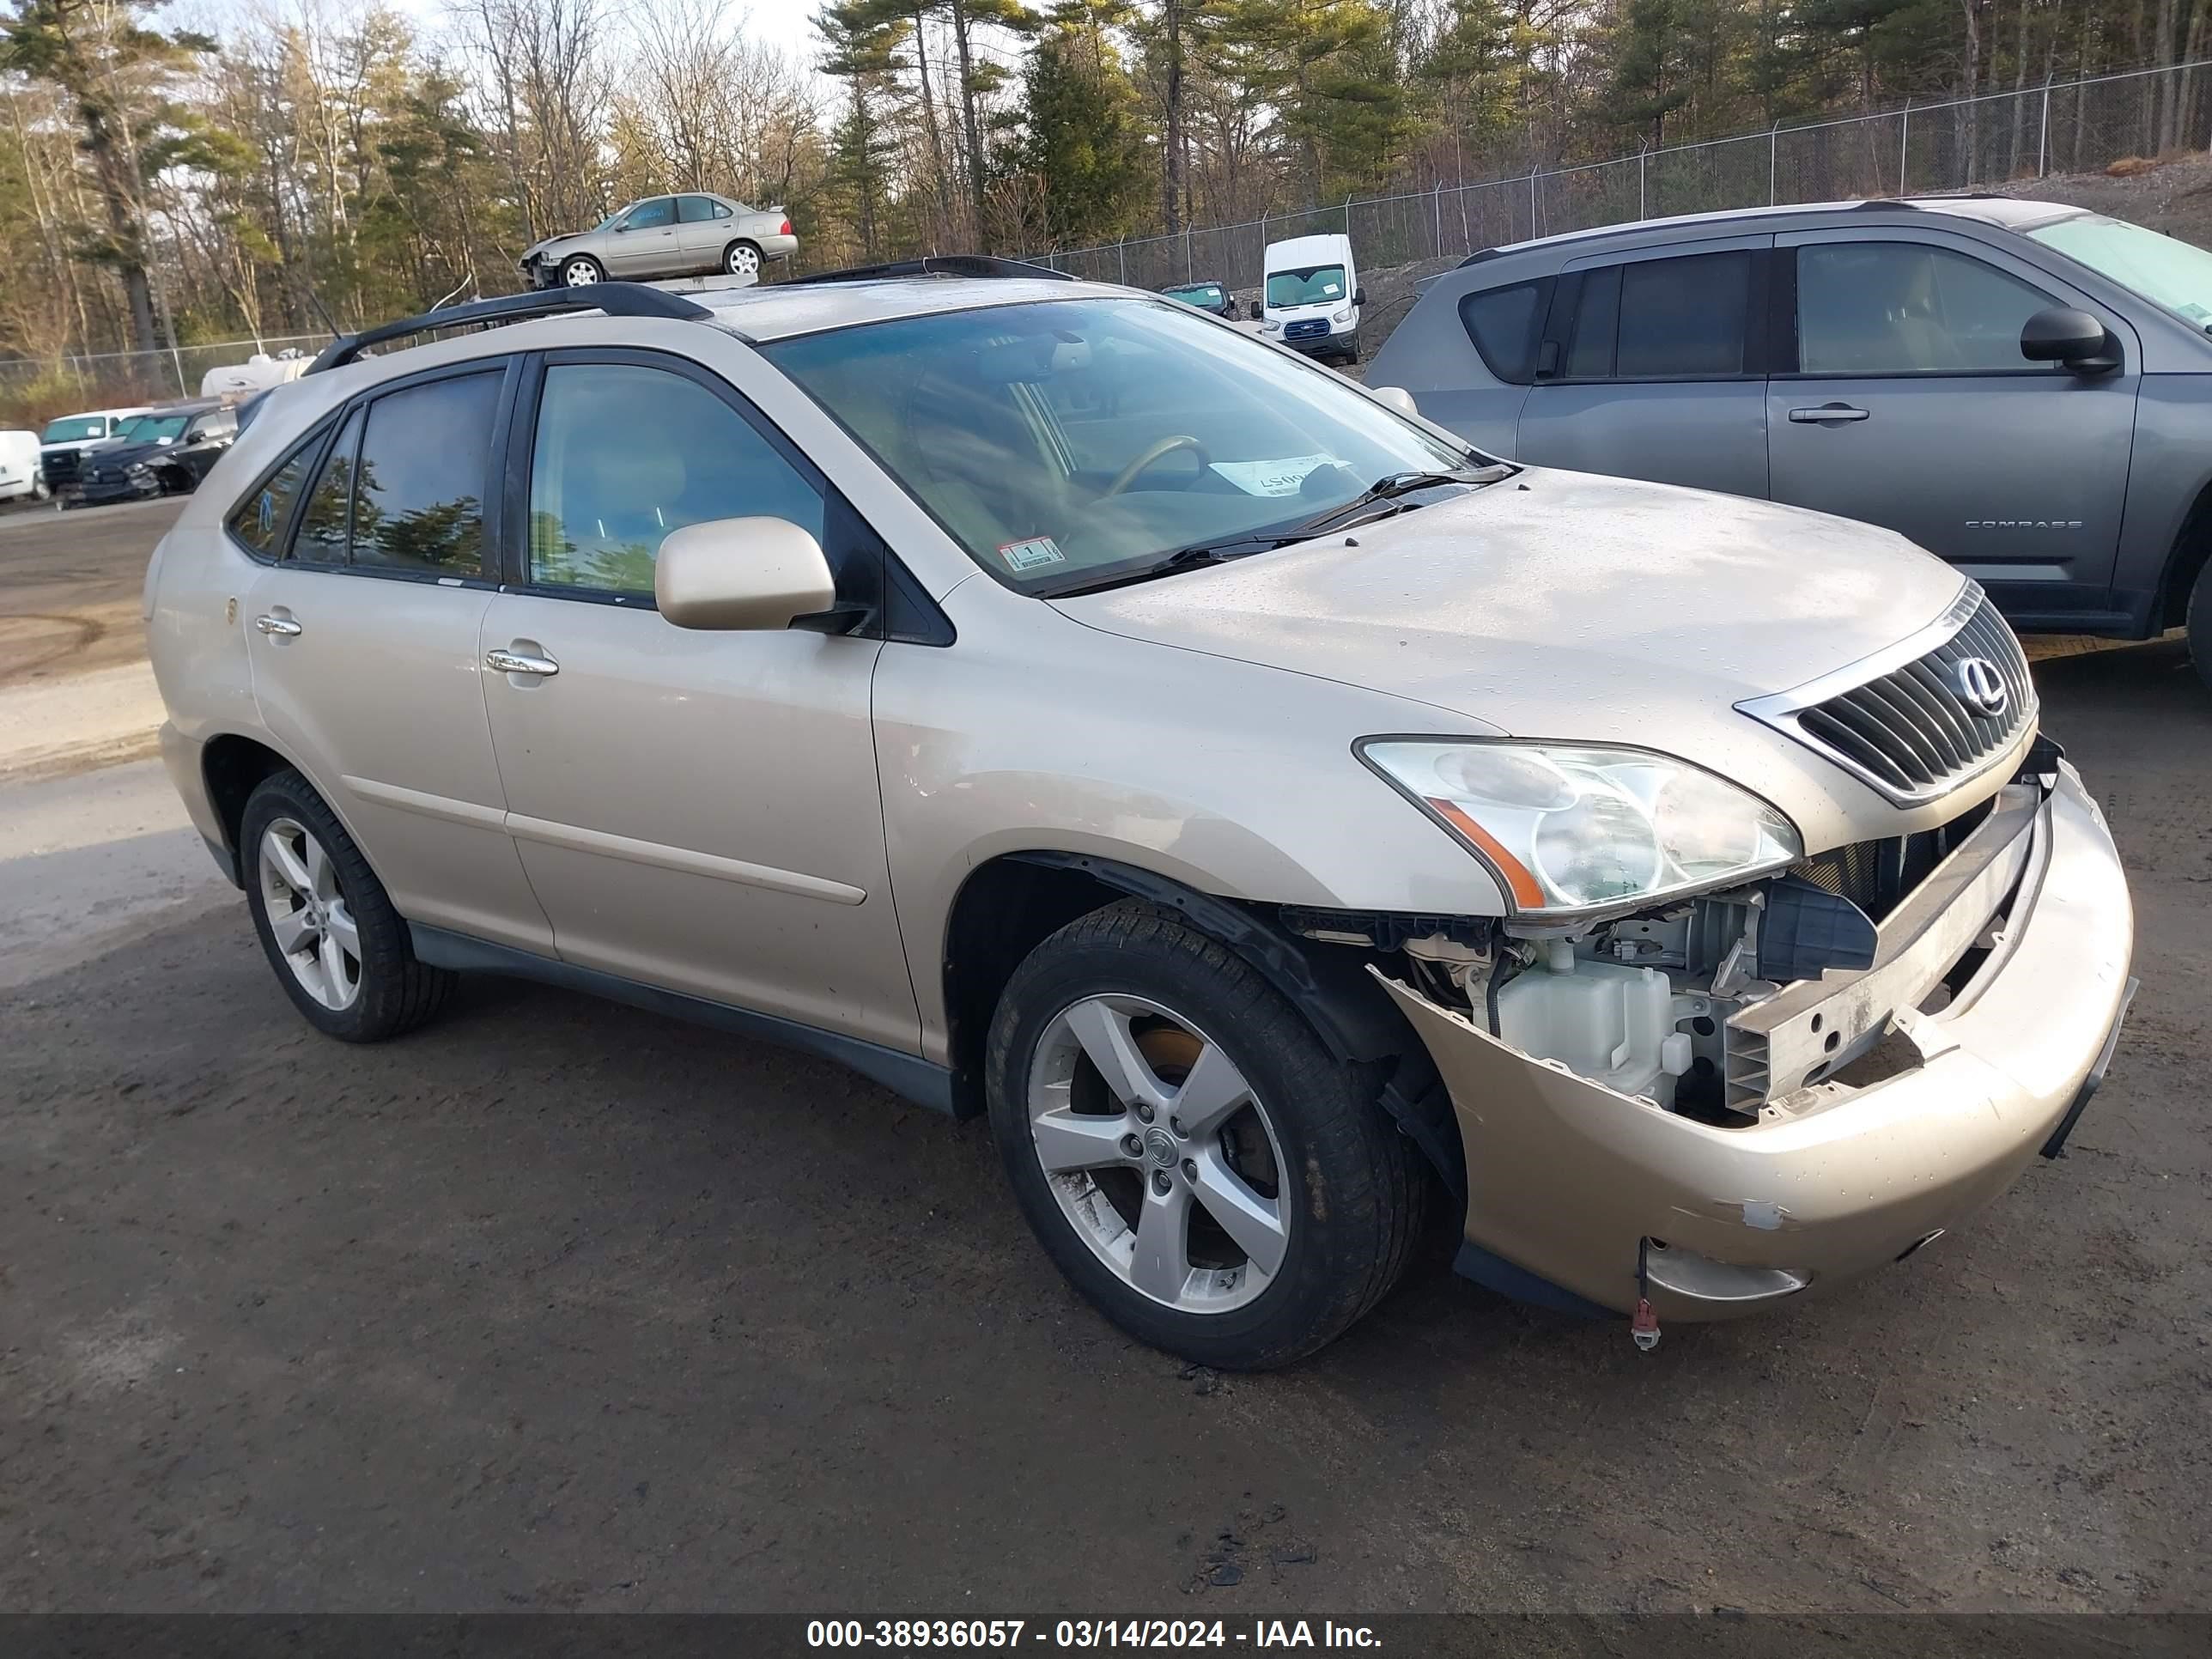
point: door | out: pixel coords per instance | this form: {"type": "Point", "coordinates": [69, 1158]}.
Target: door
{"type": "Point", "coordinates": [645, 245]}
{"type": "Point", "coordinates": [702, 230]}
{"type": "Point", "coordinates": [204, 442]}
{"type": "Point", "coordinates": [362, 634]}
{"type": "Point", "coordinates": [1653, 367]}
{"type": "Point", "coordinates": [698, 810]}
{"type": "Point", "coordinates": [1910, 405]}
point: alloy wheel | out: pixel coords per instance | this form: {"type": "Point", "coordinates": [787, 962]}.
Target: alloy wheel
{"type": "Point", "coordinates": [745, 261]}
{"type": "Point", "coordinates": [308, 915]}
{"type": "Point", "coordinates": [1159, 1154]}
{"type": "Point", "coordinates": [578, 273]}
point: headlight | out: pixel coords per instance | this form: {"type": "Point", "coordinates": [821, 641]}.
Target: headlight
{"type": "Point", "coordinates": [1343, 316]}
{"type": "Point", "coordinates": [1568, 828]}
{"type": "Point", "coordinates": [136, 469]}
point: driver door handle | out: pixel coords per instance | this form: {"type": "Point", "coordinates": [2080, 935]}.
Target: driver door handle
{"type": "Point", "coordinates": [1825, 413]}
{"type": "Point", "coordinates": [282, 628]}
{"type": "Point", "coordinates": [501, 662]}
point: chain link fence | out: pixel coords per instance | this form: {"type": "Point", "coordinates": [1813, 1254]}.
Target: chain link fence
{"type": "Point", "coordinates": [124, 379]}
{"type": "Point", "coordinates": [2065, 127]}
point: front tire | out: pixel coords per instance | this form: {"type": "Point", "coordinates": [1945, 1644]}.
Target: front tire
{"type": "Point", "coordinates": [741, 259]}
{"type": "Point", "coordinates": [338, 948]}
{"type": "Point", "coordinates": [580, 270]}
{"type": "Point", "coordinates": [1189, 1153]}
{"type": "Point", "coordinates": [2199, 624]}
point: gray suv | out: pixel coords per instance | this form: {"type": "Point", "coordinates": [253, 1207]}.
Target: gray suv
{"type": "Point", "coordinates": [2018, 386]}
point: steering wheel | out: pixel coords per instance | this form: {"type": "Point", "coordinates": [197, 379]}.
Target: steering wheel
{"type": "Point", "coordinates": [1153, 451]}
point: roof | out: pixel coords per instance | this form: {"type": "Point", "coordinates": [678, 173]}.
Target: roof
{"type": "Point", "coordinates": [779, 310]}
{"type": "Point", "coordinates": [1323, 244]}
{"type": "Point", "coordinates": [2006, 212]}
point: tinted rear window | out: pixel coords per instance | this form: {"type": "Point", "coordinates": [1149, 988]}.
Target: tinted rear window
{"type": "Point", "coordinates": [1503, 324]}
{"type": "Point", "coordinates": [1682, 318]}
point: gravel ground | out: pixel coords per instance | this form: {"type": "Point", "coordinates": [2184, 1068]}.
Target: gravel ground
{"type": "Point", "coordinates": [559, 1305]}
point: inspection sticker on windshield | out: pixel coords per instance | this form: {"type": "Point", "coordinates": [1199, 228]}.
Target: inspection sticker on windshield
{"type": "Point", "coordinates": [1029, 555]}
{"type": "Point", "coordinates": [1271, 477]}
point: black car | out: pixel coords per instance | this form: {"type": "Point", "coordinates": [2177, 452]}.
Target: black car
{"type": "Point", "coordinates": [1204, 296]}
{"type": "Point", "coordinates": [165, 452]}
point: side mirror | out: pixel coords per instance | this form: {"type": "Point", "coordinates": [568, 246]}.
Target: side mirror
{"type": "Point", "coordinates": [1395, 397]}
{"type": "Point", "coordinates": [1359, 296]}
{"type": "Point", "coordinates": [2063, 335]}
{"type": "Point", "coordinates": [1252, 311]}
{"type": "Point", "coordinates": [750, 573]}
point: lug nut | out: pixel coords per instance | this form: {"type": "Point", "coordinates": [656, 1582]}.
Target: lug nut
{"type": "Point", "coordinates": [1160, 1183]}
{"type": "Point", "coordinates": [1144, 1113]}
{"type": "Point", "coordinates": [1176, 1124]}
{"type": "Point", "coordinates": [1190, 1169]}
{"type": "Point", "coordinates": [1131, 1147]}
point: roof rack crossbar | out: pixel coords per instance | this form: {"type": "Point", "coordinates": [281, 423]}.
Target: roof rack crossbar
{"type": "Point", "coordinates": [615, 299]}
{"type": "Point", "coordinates": [936, 264]}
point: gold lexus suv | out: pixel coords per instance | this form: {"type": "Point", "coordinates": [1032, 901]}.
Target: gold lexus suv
{"type": "Point", "coordinates": [1279, 818]}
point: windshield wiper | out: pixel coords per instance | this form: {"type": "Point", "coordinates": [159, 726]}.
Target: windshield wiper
{"type": "Point", "coordinates": [1403, 484]}
{"type": "Point", "coordinates": [1183, 558]}
{"type": "Point", "coordinates": [1238, 547]}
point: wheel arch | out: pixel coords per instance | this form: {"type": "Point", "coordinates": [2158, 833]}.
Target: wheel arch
{"type": "Point", "coordinates": [1011, 904]}
{"type": "Point", "coordinates": [232, 764]}
{"type": "Point", "coordinates": [2185, 561]}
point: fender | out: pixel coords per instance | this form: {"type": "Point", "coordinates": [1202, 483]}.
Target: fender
{"type": "Point", "coordinates": [1340, 997]}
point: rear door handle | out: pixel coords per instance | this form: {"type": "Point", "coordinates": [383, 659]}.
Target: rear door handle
{"type": "Point", "coordinates": [1825, 413]}
{"type": "Point", "coordinates": [282, 628]}
{"type": "Point", "coordinates": [520, 662]}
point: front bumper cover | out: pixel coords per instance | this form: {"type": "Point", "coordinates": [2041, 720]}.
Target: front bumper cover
{"type": "Point", "coordinates": [1572, 1185]}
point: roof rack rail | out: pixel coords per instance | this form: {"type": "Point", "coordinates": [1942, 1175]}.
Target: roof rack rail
{"type": "Point", "coordinates": [937, 264]}
{"type": "Point", "coordinates": [615, 299]}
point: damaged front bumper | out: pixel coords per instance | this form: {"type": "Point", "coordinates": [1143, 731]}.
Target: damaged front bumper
{"type": "Point", "coordinates": [1581, 1194]}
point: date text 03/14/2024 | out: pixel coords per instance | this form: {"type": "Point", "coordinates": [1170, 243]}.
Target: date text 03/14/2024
{"type": "Point", "coordinates": [896, 1634]}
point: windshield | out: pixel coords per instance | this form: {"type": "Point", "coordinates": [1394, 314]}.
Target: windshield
{"type": "Point", "coordinates": [153, 429]}
{"type": "Point", "coordinates": [1305, 285]}
{"type": "Point", "coordinates": [1206, 296]}
{"type": "Point", "coordinates": [2164, 271]}
{"type": "Point", "coordinates": [1072, 438]}
{"type": "Point", "coordinates": [75, 430]}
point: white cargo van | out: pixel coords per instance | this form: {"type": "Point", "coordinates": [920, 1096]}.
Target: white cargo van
{"type": "Point", "coordinates": [1313, 297]}
{"type": "Point", "coordinates": [19, 466]}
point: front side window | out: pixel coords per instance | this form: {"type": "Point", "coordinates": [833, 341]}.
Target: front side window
{"type": "Point", "coordinates": [1908, 309]}
{"type": "Point", "coordinates": [418, 502]}
{"type": "Point", "coordinates": [2163, 269]}
{"type": "Point", "coordinates": [661, 210]}
{"type": "Point", "coordinates": [1306, 285]}
{"type": "Point", "coordinates": [623, 454]}
{"type": "Point", "coordinates": [1070, 438]}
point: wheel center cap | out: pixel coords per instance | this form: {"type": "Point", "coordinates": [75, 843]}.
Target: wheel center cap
{"type": "Point", "coordinates": [1161, 1144]}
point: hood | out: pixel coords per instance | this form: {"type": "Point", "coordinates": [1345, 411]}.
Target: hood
{"type": "Point", "coordinates": [1559, 604]}
{"type": "Point", "coordinates": [117, 455]}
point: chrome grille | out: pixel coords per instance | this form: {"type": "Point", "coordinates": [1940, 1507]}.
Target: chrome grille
{"type": "Point", "coordinates": [1909, 727]}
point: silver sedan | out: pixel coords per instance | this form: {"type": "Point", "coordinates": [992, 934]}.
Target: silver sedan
{"type": "Point", "coordinates": [663, 236]}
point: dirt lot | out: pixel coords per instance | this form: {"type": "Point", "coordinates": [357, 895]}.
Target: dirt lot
{"type": "Point", "coordinates": [558, 1305]}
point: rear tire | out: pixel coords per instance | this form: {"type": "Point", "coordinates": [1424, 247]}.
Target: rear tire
{"type": "Point", "coordinates": [1303, 1171]}
{"type": "Point", "coordinates": [338, 947]}
{"type": "Point", "coordinates": [741, 259]}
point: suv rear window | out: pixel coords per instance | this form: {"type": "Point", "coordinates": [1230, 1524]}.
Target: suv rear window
{"type": "Point", "coordinates": [1504, 323]}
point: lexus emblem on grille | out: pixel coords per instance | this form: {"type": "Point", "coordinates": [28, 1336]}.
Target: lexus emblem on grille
{"type": "Point", "coordinates": [1981, 686]}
